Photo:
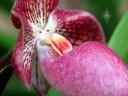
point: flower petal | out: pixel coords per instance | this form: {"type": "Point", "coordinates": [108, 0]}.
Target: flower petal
{"type": "Point", "coordinates": [91, 69]}
{"type": "Point", "coordinates": [48, 49]}
{"type": "Point", "coordinates": [39, 83]}
{"type": "Point", "coordinates": [76, 26]}
{"type": "Point", "coordinates": [29, 16]}
{"type": "Point", "coordinates": [60, 44]}
{"type": "Point", "coordinates": [45, 51]}
{"type": "Point", "coordinates": [36, 11]}
{"type": "Point", "coordinates": [21, 59]}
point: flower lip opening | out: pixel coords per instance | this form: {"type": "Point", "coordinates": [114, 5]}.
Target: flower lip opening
{"type": "Point", "coordinates": [44, 42]}
{"type": "Point", "coordinates": [60, 44]}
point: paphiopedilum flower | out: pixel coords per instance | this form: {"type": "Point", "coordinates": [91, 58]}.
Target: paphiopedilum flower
{"type": "Point", "coordinates": [90, 69]}
{"type": "Point", "coordinates": [50, 31]}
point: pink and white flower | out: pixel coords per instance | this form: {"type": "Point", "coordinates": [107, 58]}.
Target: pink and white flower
{"type": "Point", "coordinates": [40, 21]}
{"type": "Point", "coordinates": [53, 34]}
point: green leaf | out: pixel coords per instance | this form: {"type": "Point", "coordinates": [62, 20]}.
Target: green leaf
{"type": "Point", "coordinates": [53, 92]}
{"type": "Point", "coordinates": [119, 39]}
{"type": "Point", "coordinates": [6, 41]}
{"type": "Point", "coordinates": [98, 7]}
{"type": "Point", "coordinates": [6, 5]}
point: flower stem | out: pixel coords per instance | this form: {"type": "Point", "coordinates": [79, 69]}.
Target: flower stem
{"type": "Point", "coordinates": [5, 70]}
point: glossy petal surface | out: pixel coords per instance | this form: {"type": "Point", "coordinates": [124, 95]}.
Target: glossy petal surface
{"type": "Point", "coordinates": [77, 26]}
{"type": "Point", "coordinates": [91, 69]}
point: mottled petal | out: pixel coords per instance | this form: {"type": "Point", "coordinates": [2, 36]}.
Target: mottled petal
{"type": "Point", "coordinates": [36, 11]}
{"type": "Point", "coordinates": [21, 59]}
{"type": "Point", "coordinates": [30, 16]}
{"type": "Point", "coordinates": [91, 69]}
{"type": "Point", "coordinates": [76, 26]}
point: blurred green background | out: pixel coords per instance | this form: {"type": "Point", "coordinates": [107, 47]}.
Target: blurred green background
{"type": "Point", "coordinates": [8, 34]}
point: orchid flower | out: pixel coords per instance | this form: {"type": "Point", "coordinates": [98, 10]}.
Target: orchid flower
{"type": "Point", "coordinates": [63, 59]}
{"type": "Point", "coordinates": [57, 38]}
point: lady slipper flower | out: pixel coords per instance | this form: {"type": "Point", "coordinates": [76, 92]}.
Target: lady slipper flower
{"type": "Point", "coordinates": [52, 32]}
{"type": "Point", "coordinates": [91, 69]}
